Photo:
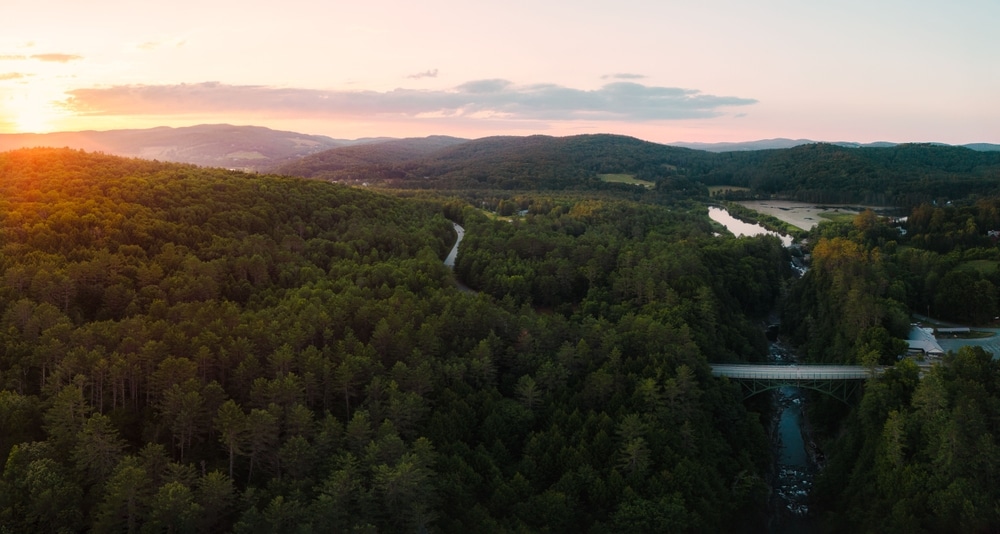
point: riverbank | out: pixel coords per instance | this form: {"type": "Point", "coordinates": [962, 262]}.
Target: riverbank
{"type": "Point", "coordinates": [738, 227]}
{"type": "Point", "coordinates": [805, 215]}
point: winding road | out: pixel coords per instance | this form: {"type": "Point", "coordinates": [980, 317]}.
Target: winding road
{"type": "Point", "coordinates": [450, 260]}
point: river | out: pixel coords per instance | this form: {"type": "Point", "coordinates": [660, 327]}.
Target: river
{"type": "Point", "coordinates": [741, 228]}
{"type": "Point", "coordinates": [793, 469]}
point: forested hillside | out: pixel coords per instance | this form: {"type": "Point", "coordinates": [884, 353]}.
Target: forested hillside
{"type": "Point", "coordinates": [532, 163]}
{"type": "Point", "coordinates": [902, 175]}
{"type": "Point", "coordinates": [919, 451]}
{"type": "Point", "coordinates": [916, 452]}
{"type": "Point", "coordinates": [367, 161]}
{"type": "Point", "coordinates": [187, 349]}
{"type": "Point", "coordinates": [867, 277]}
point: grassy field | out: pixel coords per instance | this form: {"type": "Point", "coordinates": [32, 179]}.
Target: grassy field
{"type": "Point", "coordinates": [838, 216]}
{"type": "Point", "coordinates": [624, 179]}
{"type": "Point", "coordinates": [494, 215]}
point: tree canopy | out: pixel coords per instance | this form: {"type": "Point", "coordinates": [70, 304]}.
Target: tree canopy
{"type": "Point", "coordinates": [190, 349]}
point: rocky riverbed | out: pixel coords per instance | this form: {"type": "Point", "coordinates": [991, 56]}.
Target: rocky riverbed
{"type": "Point", "coordinates": [794, 456]}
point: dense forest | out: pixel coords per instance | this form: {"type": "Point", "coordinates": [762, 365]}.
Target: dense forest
{"type": "Point", "coordinates": [186, 349]}
{"type": "Point", "coordinates": [903, 175]}
{"type": "Point", "coordinates": [199, 350]}
{"type": "Point", "coordinates": [536, 162]}
{"type": "Point", "coordinates": [867, 276]}
{"type": "Point", "coordinates": [916, 452]}
{"type": "Point", "coordinates": [372, 158]}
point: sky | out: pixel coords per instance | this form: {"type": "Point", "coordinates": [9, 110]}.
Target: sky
{"type": "Point", "coordinates": [660, 70]}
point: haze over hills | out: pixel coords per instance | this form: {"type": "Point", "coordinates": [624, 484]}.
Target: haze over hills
{"type": "Point", "coordinates": [210, 145]}
{"type": "Point", "coordinates": [770, 144]}
{"type": "Point", "coordinates": [376, 152]}
{"type": "Point", "coordinates": [260, 149]}
{"type": "Point", "coordinates": [879, 173]}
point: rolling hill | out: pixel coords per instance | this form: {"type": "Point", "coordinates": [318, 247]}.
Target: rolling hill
{"type": "Point", "coordinates": [375, 153]}
{"type": "Point", "coordinates": [770, 144]}
{"type": "Point", "coordinates": [209, 145]}
{"type": "Point", "coordinates": [503, 162]}
{"type": "Point", "coordinates": [882, 173]}
{"type": "Point", "coordinates": [904, 174]}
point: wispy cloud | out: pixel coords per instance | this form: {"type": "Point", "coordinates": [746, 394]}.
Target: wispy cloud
{"type": "Point", "coordinates": [493, 99]}
{"type": "Point", "coordinates": [56, 58]}
{"type": "Point", "coordinates": [52, 58]}
{"type": "Point", "coordinates": [153, 45]}
{"type": "Point", "coordinates": [11, 76]}
{"type": "Point", "coordinates": [433, 73]}
{"type": "Point", "coordinates": [623, 76]}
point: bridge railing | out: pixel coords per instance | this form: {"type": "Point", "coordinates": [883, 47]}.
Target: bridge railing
{"type": "Point", "coordinates": [793, 372]}
{"type": "Point", "coordinates": [840, 381]}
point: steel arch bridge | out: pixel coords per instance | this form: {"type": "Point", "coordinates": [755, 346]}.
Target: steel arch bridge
{"type": "Point", "coordinates": [838, 381]}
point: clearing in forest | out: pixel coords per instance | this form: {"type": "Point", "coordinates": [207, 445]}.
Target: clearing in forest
{"type": "Point", "coordinates": [625, 179]}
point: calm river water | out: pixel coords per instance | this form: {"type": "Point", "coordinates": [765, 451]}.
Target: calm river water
{"type": "Point", "coordinates": [740, 228]}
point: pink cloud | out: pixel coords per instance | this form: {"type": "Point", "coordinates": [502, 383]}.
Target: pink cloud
{"type": "Point", "coordinates": [56, 58]}
{"type": "Point", "coordinates": [475, 100]}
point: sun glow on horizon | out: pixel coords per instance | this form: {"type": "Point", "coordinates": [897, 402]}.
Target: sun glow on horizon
{"type": "Point", "coordinates": [35, 112]}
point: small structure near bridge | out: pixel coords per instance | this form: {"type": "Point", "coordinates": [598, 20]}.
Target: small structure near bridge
{"type": "Point", "coordinates": [923, 344]}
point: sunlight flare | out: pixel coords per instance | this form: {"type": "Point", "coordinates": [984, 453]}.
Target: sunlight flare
{"type": "Point", "coordinates": [35, 113]}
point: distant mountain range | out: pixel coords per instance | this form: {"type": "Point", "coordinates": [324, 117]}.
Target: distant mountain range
{"type": "Point", "coordinates": [211, 145]}
{"type": "Point", "coordinates": [772, 144]}
{"type": "Point", "coordinates": [382, 159]}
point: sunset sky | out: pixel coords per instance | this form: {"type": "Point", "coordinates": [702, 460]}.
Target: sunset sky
{"type": "Point", "coordinates": [692, 70]}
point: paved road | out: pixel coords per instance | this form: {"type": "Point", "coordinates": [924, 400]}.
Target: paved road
{"type": "Point", "coordinates": [450, 260]}
{"type": "Point", "coordinates": [790, 372]}
{"type": "Point", "coordinates": [990, 344]}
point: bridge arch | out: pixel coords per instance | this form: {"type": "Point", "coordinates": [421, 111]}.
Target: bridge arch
{"type": "Point", "coordinates": [837, 381]}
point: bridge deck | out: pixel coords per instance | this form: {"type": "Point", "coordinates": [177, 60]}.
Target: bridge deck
{"type": "Point", "coordinates": [839, 381]}
{"type": "Point", "coordinates": [791, 372]}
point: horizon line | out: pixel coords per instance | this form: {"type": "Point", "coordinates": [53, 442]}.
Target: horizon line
{"type": "Point", "coordinates": [796, 140]}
